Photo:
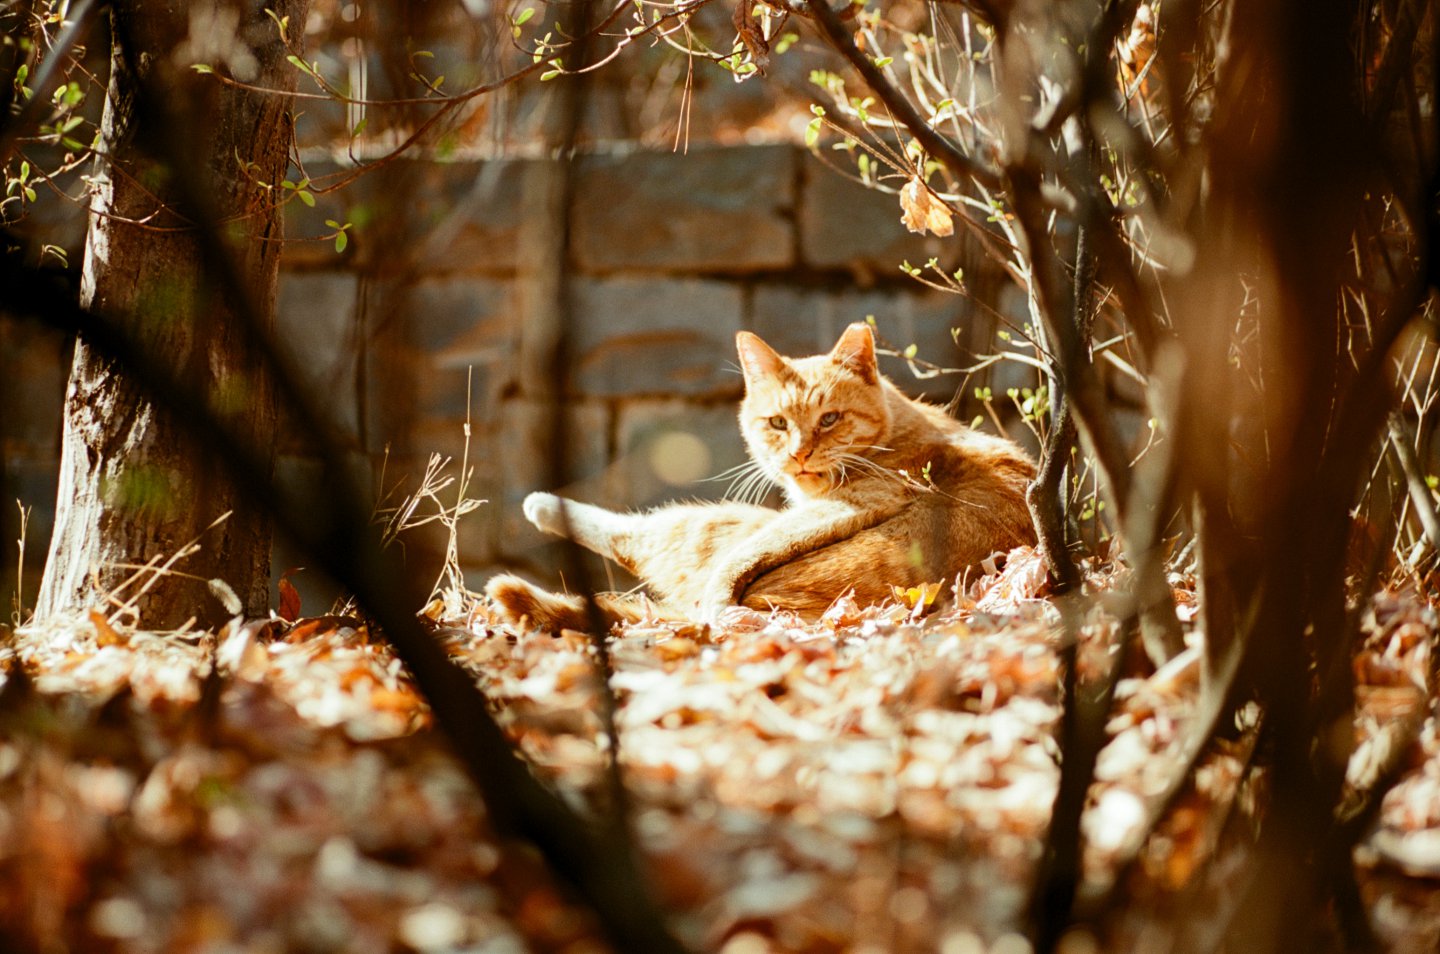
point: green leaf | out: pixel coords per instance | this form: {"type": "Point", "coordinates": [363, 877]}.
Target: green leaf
{"type": "Point", "coordinates": [910, 351]}
{"type": "Point", "coordinates": [812, 133]}
{"type": "Point", "coordinates": [281, 23]}
{"type": "Point", "coordinates": [341, 240]}
{"type": "Point", "coordinates": [201, 68]}
{"type": "Point", "coordinates": [884, 61]}
{"type": "Point", "coordinates": [332, 223]}
{"type": "Point", "coordinates": [306, 197]}
{"type": "Point", "coordinates": [359, 128]}
{"type": "Point", "coordinates": [548, 75]}
{"type": "Point", "coordinates": [523, 17]}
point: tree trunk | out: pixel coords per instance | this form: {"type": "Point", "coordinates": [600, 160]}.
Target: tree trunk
{"type": "Point", "coordinates": [131, 489]}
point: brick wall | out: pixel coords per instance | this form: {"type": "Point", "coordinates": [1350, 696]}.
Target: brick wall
{"type": "Point", "coordinates": [670, 255]}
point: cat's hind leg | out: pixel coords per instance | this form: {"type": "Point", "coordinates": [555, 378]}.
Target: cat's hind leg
{"type": "Point", "coordinates": [520, 601]}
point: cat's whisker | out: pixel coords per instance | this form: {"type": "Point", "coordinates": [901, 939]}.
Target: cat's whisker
{"type": "Point", "coordinates": [750, 486]}
{"type": "Point", "coordinates": [869, 466]}
{"type": "Point", "coordinates": [741, 477]}
{"type": "Point", "coordinates": [737, 469]}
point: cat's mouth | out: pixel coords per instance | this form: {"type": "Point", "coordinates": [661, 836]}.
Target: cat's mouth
{"type": "Point", "coordinates": [811, 480]}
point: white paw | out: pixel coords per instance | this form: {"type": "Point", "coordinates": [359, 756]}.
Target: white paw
{"type": "Point", "coordinates": [718, 596]}
{"type": "Point", "coordinates": [546, 511]}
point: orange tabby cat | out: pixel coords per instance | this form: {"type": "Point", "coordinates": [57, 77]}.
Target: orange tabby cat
{"type": "Point", "coordinates": [881, 490]}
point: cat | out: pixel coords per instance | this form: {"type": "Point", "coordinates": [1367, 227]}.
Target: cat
{"type": "Point", "coordinates": [881, 490]}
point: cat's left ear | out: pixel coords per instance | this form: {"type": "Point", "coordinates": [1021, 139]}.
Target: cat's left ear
{"type": "Point", "coordinates": [856, 351]}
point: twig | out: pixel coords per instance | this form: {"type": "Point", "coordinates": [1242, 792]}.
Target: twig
{"type": "Point", "coordinates": [82, 19]}
{"type": "Point", "coordinates": [1420, 494]}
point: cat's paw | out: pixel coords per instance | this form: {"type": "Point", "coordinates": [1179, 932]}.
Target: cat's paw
{"type": "Point", "coordinates": [546, 512]}
{"type": "Point", "coordinates": [716, 598]}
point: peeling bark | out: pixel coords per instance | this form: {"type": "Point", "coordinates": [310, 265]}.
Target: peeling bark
{"type": "Point", "coordinates": [131, 489]}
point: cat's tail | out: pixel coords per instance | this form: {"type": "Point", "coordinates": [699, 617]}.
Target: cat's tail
{"type": "Point", "coordinates": [519, 600]}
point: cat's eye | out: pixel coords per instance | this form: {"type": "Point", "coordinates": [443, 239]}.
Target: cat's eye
{"type": "Point", "coordinates": [829, 418]}
{"type": "Point", "coordinates": [778, 422]}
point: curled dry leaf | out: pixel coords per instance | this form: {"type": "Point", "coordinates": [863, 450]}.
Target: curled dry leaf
{"type": "Point", "coordinates": [105, 634]}
{"type": "Point", "coordinates": [922, 212]}
{"type": "Point", "coordinates": [289, 597]}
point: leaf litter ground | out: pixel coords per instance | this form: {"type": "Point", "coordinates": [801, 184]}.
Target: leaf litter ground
{"type": "Point", "coordinates": [877, 781]}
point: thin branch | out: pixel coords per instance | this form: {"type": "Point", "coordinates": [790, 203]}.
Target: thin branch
{"type": "Point", "coordinates": [82, 21]}
{"type": "Point", "coordinates": [1420, 494]}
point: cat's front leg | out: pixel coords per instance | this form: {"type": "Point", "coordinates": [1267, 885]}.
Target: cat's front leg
{"type": "Point", "coordinates": [790, 536]}
{"type": "Point", "coordinates": [594, 528]}
{"type": "Point", "coordinates": [545, 512]}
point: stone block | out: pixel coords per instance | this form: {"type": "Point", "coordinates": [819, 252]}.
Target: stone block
{"type": "Point", "coordinates": [317, 327]}
{"type": "Point", "coordinates": [714, 209]}
{"type": "Point", "coordinates": [636, 336]}
{"type": "Point", "coordinates": [435, 343]}
{"type": "Point", "coordinates": [844, 224]}
{"type": "Point", "coordinates": [800, 321]}
{"type": "Point", "coordinates": [472, 223]}
{"type": "Point", "coordinates": [412, 216]}
{"type": "Point", "coordinates": [461, 316]}
{"type": "Point", "coordinates": [524, 431]}
{"type": "Point", "coordinates": [670, 450]}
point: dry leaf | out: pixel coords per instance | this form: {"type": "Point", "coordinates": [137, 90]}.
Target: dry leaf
{"type": "Point", "coordinates": [922, 212]}
{"type": "Point", "coordinates": [289, 597]}
{"type": "Point", "coordinates": [1136, 49]}
{"type": "Point", "coordinates": [105, 634]}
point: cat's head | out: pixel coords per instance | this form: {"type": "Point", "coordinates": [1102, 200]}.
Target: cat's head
{"type": "Point", "coordinates": [806, 419]}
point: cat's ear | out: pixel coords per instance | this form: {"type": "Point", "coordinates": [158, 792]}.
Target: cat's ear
{"type": "Point", "coordinates": [856, 351]}
{"type": "Point", "coordinates": [757, 358]}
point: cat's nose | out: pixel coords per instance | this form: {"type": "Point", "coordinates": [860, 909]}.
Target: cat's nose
{"type": "Point", "coordinates": [801, 456]}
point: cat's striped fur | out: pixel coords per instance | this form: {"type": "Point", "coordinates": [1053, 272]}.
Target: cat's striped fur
{"type": "Point", "coordinates": [881, 490]}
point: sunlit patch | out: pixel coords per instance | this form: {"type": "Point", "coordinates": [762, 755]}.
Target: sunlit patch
{"type": "Point", "coordinates": [679, 458]}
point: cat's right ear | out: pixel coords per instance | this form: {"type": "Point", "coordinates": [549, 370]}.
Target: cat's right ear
{"type": "Point", "coordinates": [757, 358]}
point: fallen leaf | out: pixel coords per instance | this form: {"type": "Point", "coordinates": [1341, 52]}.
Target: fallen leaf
{"type": "Point", "coordinates": [105, 634]}
{"type": "Point", "coordinates": [289, 597]}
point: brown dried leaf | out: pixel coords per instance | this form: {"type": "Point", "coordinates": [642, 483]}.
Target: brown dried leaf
{"type": "Point", "coordinates": [921, 211]}
{"type": "Point", "coordinates": [105, 634]}
{"type": "Point", "coordinates": [289, 597]}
